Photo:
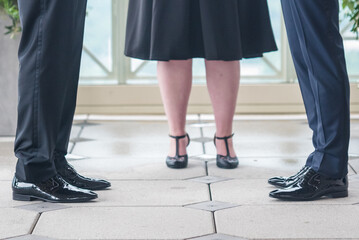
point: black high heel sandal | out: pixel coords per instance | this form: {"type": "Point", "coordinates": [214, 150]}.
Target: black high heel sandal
{"type": "Point", "coordinates": [178, 161]}
{"type": "Point", "coordinates": [226, 162]}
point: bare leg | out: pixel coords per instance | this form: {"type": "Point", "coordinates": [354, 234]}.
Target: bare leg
{"type": "Point", "coordinates": [223, 83]}
{"type": "Point", "coordinates": [175, 80]}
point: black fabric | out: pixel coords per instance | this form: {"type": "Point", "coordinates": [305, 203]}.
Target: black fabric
{"type": "Point", "coordinates": [318, 54]}
{"type": "Point", "coordinates": [49, 56]}
{"type": "Point", "coordinates": [211, 29]}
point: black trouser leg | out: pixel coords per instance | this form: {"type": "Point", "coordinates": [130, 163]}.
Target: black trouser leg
{"type": "Point", "coordinates": [68, 110]}
{"type": "Point", "coordinates": [49, 56]}
{"type": "Point", "coordinates": [318, 54]}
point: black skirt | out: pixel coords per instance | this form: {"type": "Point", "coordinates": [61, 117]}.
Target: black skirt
{"type": "Point", "coordinates": [212, 29]}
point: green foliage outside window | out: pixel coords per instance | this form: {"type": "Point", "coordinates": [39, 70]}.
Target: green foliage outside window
{"type": "Point", "coordinates": [352, 8]}
{"type": "Point", "coordinates": [10, 8]}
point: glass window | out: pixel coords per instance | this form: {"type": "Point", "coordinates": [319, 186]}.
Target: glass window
{"type": "Point", "coordinates": [103, 61]}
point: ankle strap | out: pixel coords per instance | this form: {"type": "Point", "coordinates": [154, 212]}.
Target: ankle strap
{"type": "Point", "coordinates": [225, 140]}
{"type": "Point", "coordinates": [177, 141]}
{"type": "Point", "coordinates": [178, 137]}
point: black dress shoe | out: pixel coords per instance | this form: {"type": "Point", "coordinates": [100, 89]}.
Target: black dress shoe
{"type": "Point", "coordinates": [312, 186]}
{"type": "Point", "coordinates": [226, 162]}
{"type": "Point", "coordinates": [70, 175]}
{"type": "Point", "coordinates": [55, 190]}
{"type": "Point", "coordinates": [284, 182]}
{"type": "Point", "coordinates": [178, 161]}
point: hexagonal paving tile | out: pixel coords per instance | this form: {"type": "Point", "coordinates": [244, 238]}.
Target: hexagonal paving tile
{"type": "Point", "coordinates": [125, 223]}
{"type": "Point", "coordinates": [137, 169]}
{"type": "Point", "coordinates": [15, 222]}
{"type": "Point", "coordinates": [150, 193]}
{"type": "Point", "coordinates": [290, 221]}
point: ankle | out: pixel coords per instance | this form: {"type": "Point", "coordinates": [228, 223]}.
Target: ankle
{"type": "Point", "coordinates": [178, 133]}
{"type": "Point", "coordinates": [224, 145]}
{"type": "Point", "coordinates": [178, 144]}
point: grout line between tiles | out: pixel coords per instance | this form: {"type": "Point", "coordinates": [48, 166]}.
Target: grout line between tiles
{"type": "Point", "coordinates": [206, 167]}
{"type": "Point", "coordinates": [35, 223]}
{"type": "Point", "coordinates": [352, 168]}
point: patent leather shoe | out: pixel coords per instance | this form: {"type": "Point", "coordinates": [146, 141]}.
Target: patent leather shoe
{"type": "Point", "coordinates": [70, 175]}
{"type": "Point", "coordinates": [55, 190]}
{"type": "Point", "coordinates": [313, 186]}
{"type": "Point", "coordinates": [178, 161]}
{"type": "Point", "coordinates": [226, 162]}
{"type": "Point", "coordinates": [284, 182]}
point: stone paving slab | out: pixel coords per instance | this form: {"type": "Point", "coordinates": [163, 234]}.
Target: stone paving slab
{"type": "Point", "coordinates": [259, 168]}
{"type": "Point", "coordinates": [290, 222]}
{"type": "Point", "coordinates": [75, 131]}
{"type": "Point", "coordinates": [269, 131]}
{"type": "Point", "coordinates": [137, 169]}
{"type": "Point", "coordinates": [127, 148]}
{"type": "Point", "coordinates": [125, 223]}
{"type": "Point", "coordinates": [255, 192]}
{"type": "Point", "coordinates": [7, 168]}
{"type": "Point", "coordinates": [7, 149]}
{"type": "Point", "coordinates": [268, 139]}
{"type": "Point", "coordinates": [261, 148]}
{"type": "Point", "coordinates": [354, 145]}
{"type": "Point", "coordinates": [6, 196]}
{"type": "Point", "coordinates": [135, 131]}
{"type": "Point", "coordinates": [355, 164]}
{"type": "Point", "coordinates": [138, 138]}
{"type": "Point", "coordinates": [15, 222]}
{"type": "Point", "coordinates": [150, 193]}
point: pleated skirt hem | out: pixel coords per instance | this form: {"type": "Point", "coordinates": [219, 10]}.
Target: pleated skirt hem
{"type": "Point", "coordinates": [193, 56]}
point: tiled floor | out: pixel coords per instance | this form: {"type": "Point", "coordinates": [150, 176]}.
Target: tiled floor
{"type": "Point", "coordinates": [150, 201]}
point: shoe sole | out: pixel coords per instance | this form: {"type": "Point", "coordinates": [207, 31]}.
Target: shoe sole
{"type": "Point", "coordinates": [333, 194]}
{"type": "Point", "coordinates": [21, 197]}
{"type": "Point", "coordinates": [227, 166]}
{"type": "Point", "coordinates": [177, 166]}
{"type": "Point", "coordinates": [98, 189]}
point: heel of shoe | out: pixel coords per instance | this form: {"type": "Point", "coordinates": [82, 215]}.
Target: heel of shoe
{"type": "Point", "coordinates": [341, 194]}
{"type": "Point", "coordinates": [20, 197]}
